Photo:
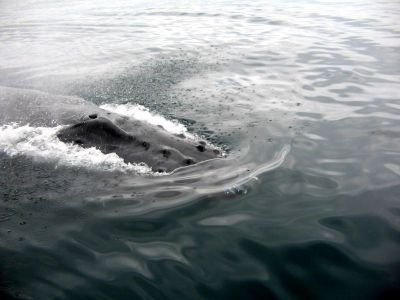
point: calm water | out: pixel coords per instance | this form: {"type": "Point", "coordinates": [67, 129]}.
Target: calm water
{"type": "Point", "coordinates": [304, 95]}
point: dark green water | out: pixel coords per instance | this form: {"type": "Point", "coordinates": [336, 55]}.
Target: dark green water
{"type": "Point", "coordinates": [304, 95]}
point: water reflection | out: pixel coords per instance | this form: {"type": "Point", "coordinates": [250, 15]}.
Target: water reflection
{"type": "Point", "coordinates": [303, 97]}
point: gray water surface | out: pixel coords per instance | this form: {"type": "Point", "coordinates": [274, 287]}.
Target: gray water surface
{"type": "Point", "coordinates": [304, 96]}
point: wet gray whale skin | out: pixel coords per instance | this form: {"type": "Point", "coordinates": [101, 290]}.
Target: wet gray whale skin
{"type": "Point", "coordinates": [90, 126]}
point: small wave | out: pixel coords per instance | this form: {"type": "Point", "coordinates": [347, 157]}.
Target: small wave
{"type": "Point", "coordinates": [42, 144]}
{"type": "Point", "coordinates": [142, 113]}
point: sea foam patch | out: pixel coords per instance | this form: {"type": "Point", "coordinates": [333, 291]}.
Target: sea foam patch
{"type": "Point", "coordinates": [42, 144]}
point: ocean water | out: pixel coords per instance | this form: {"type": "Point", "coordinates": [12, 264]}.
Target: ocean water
{"type": "Point", "coordinates": [303, 96]}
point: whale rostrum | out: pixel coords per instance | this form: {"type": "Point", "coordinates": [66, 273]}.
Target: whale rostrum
{"type": "Point", "coordinates": [158, 149]}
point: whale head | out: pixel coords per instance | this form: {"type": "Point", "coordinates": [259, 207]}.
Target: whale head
{"type": "Point", "coordinates": [141, 142]}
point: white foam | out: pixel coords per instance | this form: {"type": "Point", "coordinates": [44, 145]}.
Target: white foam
{"type": "Point", "coordinates": [142, 113]}
{"type": "Point", "coordinates": [42, 144]}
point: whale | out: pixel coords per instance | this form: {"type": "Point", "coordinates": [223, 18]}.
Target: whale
{"type": "Point", "coordinates": [85, 124]}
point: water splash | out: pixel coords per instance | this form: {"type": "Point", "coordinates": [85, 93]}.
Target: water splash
{"type": "Point", "coordinates": [42, 144]}
{"type": "Point", "coordinates": [142, 113]}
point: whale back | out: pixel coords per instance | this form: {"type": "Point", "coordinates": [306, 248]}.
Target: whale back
{"type": "Point", "coordinates": [88, 126]}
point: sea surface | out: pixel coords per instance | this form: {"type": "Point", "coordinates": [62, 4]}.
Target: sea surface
{"type": "Point", "coordinates": [303, 97]}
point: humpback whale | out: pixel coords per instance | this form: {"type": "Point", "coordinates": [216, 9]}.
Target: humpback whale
{"type": "Point", "coordinates": [88, 125]}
